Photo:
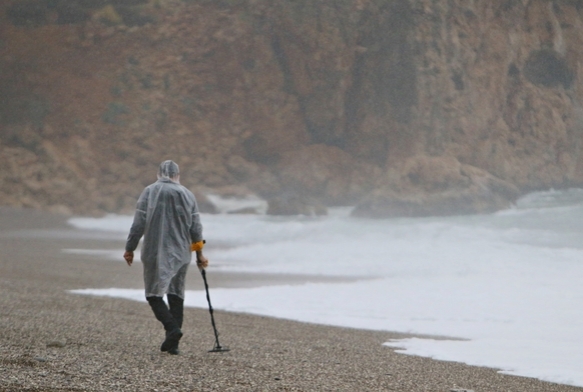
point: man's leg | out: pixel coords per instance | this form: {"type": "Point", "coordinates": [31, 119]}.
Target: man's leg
{"type": "Point", "coordinates": [176, 308]}
{"type": "Point", "coordinates": [173, 332]}
{"type": "Point", "coordinates": [176, 294]}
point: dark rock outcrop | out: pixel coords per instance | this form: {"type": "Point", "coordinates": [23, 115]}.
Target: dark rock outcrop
{"type": "Point", "coordinates": [428, 186]}
{"type": "Point", "coordinates": [293, 204]}
{"type": "Point", "coordinates": [326, 173]}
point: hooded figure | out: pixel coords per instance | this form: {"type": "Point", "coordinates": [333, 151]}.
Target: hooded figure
{"type": "Point", "coordinates": [167, 217]}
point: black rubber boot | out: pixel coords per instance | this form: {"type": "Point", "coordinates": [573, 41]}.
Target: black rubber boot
{"type": "Point", "coordinates": [173, 332]}
{"type": "Point", "coordinates": [176, 305]}
{"type": "Point", "coordinates": [176, 308]}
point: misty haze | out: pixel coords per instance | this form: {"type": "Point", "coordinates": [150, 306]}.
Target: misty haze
{"type": "Point", "coordinates": [374, 178]}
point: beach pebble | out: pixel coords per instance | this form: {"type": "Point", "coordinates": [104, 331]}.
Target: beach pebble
{"type": "Point", "coordinates": [57, 343]}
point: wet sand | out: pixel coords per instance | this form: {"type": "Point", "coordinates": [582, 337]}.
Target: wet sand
{"type": "Point", "coordinates": [51, 340]}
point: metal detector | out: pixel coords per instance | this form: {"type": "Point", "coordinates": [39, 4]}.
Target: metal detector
{"type": "Point", "coordinates": [217, 348]}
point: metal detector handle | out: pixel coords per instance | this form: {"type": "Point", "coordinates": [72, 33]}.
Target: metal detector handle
{"type": "Point", "coordinates": [217, 347]}
{"type": "Point", "coordinates": [206, 288]}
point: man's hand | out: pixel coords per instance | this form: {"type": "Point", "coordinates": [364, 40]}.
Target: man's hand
{"type": "Point", "coordinates": [129, 257]}
{"type": "Point", "coordinates": [201, 261]}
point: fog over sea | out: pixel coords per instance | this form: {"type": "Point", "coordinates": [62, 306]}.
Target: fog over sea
{"type": "Point", "coordinates": [506, 289]}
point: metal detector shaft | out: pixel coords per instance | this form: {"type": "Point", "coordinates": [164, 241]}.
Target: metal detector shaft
{"type": "Point", "coordinates": [217, 347]}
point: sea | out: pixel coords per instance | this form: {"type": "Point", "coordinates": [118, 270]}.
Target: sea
{"type": "Point", "coordinates": [502, 290]}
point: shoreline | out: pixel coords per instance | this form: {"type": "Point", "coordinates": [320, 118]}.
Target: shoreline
{"type": "Point", "coordinates": [52, 340]}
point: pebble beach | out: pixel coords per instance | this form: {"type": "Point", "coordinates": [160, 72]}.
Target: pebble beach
{"type": "Point", "coordinates": [53, 340]}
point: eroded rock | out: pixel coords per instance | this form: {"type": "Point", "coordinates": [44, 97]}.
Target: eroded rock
{"type": "Point", "coordinates": [327, 174]}
{"type": "Point", "coordinates": [293, 204]}
{"type": "Point", "coordinates": [435, 186]}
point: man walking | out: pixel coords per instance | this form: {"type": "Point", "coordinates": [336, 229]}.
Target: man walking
{"type": "Point", "coordinates": [168, 218]}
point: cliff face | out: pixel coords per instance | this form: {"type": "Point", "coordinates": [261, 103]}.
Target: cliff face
{"type": "Point", "coordinates": [404, 107]}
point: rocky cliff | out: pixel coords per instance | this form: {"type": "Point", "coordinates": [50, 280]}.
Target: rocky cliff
{"type": "Point", "coordinates": [401, 107]}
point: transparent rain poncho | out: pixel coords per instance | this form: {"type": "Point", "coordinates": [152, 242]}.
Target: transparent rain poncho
{"type": "Point", "coordinates": [167, 216]}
